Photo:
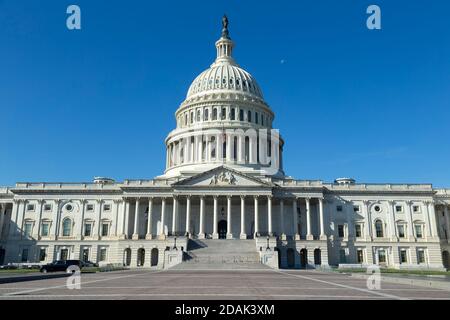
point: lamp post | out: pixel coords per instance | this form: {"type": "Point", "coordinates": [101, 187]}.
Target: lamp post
{"type": "Point", "coordinates": [268, 247]}
{"type": "Point", "coordinates": [175, 243]}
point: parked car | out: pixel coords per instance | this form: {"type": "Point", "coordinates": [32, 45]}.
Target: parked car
{"type": "Point", "coordinates": [61, 265]}
{"type": "Point", "coordinates": [89, 264]}
{"type": "Point", "coordinates": [8, 267]}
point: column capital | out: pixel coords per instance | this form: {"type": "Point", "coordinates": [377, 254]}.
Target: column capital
{"type": "Point", "coordinates": [366, 202]}
{"type": "Point", "coordinates": [391, 202]}
{"type": "Point", "coordinates": [40, 201]}
{"type": "Point", "coordinates": [307, 199]}
{"type": "Point", "coordinates": [409, 202]}
{"type": "Point", "coordinates": [242, 196]}
{"type": "Point", "coordinates": [428, 202]}
{"type": "Point", "coordinates": [215, 196]}
{"type": "Point", "coordinates": [269, 197]}
{"type": "Point", "coordinates": [99, 201]}
{"type": "Point", "coordinates": [116, 201]}
{"type": "Point", "coordinates": [256, 197]}
{"type": "Point", "coordinates": [229, 197]}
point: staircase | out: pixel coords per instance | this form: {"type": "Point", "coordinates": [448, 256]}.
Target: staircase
{"type": "Point", "coordinates": [220, 255]}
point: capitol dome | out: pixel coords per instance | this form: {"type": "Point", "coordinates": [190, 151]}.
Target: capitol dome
{"type": "Point", "coordinates": [224, 77]}
{"type": "Point", "coordinates": [224, 120]}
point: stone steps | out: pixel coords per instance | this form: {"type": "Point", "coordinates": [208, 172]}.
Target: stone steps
{"type": "Point", "coordinates": [221, 254]}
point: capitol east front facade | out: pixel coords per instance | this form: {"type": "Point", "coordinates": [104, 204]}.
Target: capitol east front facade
{"type": "Point", "coordinates": [224, 200]}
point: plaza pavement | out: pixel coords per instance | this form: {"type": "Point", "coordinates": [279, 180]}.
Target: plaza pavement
{"type": "Point", "coordinates": [215, 284]}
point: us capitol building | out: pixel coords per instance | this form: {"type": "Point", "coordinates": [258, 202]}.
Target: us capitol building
{"type": "Point", "coordinates": [224, 187]}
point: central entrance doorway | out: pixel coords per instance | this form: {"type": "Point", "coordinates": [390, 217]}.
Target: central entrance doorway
{"type": "Point", "coordinates": [222, 229]}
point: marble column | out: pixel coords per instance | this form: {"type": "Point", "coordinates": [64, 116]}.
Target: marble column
{"type": "Point", "coordinates": [83, 209]}
{"type": "Point", "coordinates": [393, 229]}
{"type": "Point", "coordinates": [116, 217]}
{"type": "Point", "coordinates": [229, 231]}
{"type": "Point", "coordinates": [409, 219]}
{"type": "Point", "coordinates": [99, 217]}
{"type": "Point", "coordinates": [295, 216]}
{"type": "Point", "coordinates": [201, 232]}
{"type": "Point", "coordinates": [174, 215]}
{"type": "Point", "coordinates": [256, 218]}
{"type": "Point", "coordinates": [38, 222]}
{"type": "Point", "coordinates": [136, 221]}
{"type": "Point", "coordinates": [125, 210]}
{"type": "Point", "coordinates": [188, 216]}
{"type": "Point", "coordinates": [269, 215]}
{"type": "Point", "coordinates": [243, 235]}
{"type": "Point", "coordinates": [309, 235]}
{"type": "Point", "coordinates": [367, 221]}
{"type": "Point", "coordinates": [215, 234]}
{"type": "Point", "coordinates": [148, 236]}
{"type": "Point", "coordinates": [447, 220]}
{"type": "Point", "coordinates": [323, 236]}
{"type": "Point", "coordinates": [162, 231]}
{"type": "Point", "coordinates": [283, 234]}
{"type": "Point", "coordinates": [429, 207]}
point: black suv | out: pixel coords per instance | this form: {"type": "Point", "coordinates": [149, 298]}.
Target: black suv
{"type": "Point", "coordinates": [61, 265]}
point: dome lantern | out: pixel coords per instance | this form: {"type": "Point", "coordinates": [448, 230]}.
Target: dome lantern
{"type": "Point", "coordinates": [224, 45]}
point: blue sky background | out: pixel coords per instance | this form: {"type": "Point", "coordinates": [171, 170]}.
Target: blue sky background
{"type": "Point", "coordinates": [373, 105]}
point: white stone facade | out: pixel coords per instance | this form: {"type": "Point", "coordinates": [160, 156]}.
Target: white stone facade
{"type": "Point", "coordinates": [216, 185]}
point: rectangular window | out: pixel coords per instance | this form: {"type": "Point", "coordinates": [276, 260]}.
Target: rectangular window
{"type": "Point", "coordinates": [418, 229]}
{"type": "Point", "coordinates": [256, 117]}
{"type": "Point", "coordinates": [339, 208]}
{"type": "Point", "coordinates": [87, 229]}
{"type": "Point", "coordinates": [27, 229]}
{"type": "Point", "coordinates": [398, 209]}
{"type": "Point", "coordinates": [360, 255]}
{"type": "Point", "coordinates": [47, 207]}
{"type": "Point", "coordinates": [85, 254]}
{"type": "Point", "coordinates": [342, 256]}
{"type": "Point", "coordinates": [30, 207]}
{"type": "Point", "coordinates": [90, 207]}
{"type": "Point", "coordinates": [356, 208]}
{"type": "Point", "coordinates": [381, 256]}
{"type": "Point", "coordinates": [45, 229]}
{"type": "Point", "coordinates": [107, 207]}
{"type": "Point", "coordinates": [401, 230]}
{"type": "Point", "coordinates": [341, 231]}
{"type": "Point", "coordinates": [416, 209]}
{"type": "Point", "coordinates": [102, 254]}
{"type": "Point", "coordinates": [249, 116]}
{"type": "Point", "coordinates": [42, 254]}
{"type": "Point", "coordinates": [223, 114]}
{"type": "Point", "coordinates": [403, 256]}
{"type": "Point", "coordinates": [421, 256]}
{"type": "Point", "coordinates": [105, 229]}
{"type": "Point", "coordinates": [241, 115]}
{"type": "Point", "coordinates": [24, 255]}
{"type": "Point", "coordinates": [358, 232]}
{"type": "Point", "coordinates": [233, 114]}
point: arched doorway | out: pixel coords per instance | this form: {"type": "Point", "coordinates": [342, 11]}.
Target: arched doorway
{"type": "Point", "coordinates": [303, 258]}
{"type": "Point", "coordinates": [140, 257]}
{"type": "Point", "coordinates": [290, 258]}
{"type": "Point", "coordinates": [446, 259]}
{"type": "Point", "coordinates": [317, 257]}
{"type": "Point", "coordinates": [154, 257]}
{"type": "Point", "coordinates": [127, 257]}
{"type": "Point", "coordinates": [222, 227]}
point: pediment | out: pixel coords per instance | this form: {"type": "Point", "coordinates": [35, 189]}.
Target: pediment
{"type": "Point", "coordinates": [222, 177]}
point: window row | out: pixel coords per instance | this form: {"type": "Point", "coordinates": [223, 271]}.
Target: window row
{"type": "Point", "coordinates": [380, 230]}
{"type": "Point", "coordinates": [68, 207]}
{"type": "Point", "coordinates": [382, 256]}
{"type": "Point", "coordinates": [67, 228]}
{"type": "Point", "coordinates": [223, 113]}
{"type": "Point", "coordinates": [377, 208]}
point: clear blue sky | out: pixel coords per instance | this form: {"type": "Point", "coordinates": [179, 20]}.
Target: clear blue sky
{"type": "Point", "coordinates": [373, 105]}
